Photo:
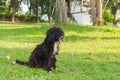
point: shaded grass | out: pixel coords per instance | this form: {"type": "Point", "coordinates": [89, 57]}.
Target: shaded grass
{"type": "Point", "coordinates": [86, 53]}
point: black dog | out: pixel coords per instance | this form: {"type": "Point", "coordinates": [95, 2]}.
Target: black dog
{"type": "Point", "coordinates": [44, 54]}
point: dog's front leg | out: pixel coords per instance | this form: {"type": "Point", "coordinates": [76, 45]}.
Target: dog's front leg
{"type": "Point", "coordinates": [54, 62]}
{"type": "Point", "coordinates": [47, 64]}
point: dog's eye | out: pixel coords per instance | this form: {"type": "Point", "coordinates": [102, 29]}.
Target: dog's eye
{"type": "Point", "coordinates": [61, 37]}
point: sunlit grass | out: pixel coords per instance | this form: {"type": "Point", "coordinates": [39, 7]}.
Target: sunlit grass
{"type": "Point", "coordinates": [86, 53]}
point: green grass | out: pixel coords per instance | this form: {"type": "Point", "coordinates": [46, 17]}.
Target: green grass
{"type": "Point", "coordinates": [86, 53]}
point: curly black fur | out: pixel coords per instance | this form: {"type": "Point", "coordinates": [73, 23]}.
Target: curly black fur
{"type": "Point", "coordinates": [43, 56]}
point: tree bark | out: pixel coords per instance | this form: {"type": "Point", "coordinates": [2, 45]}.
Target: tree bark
{"type": "Point", "coordinates": [99, 13]}
{"type": "Point", "coordinates": [64, 12]}
{"type": "Point", "coordinates": [50, 12]}
{"type": "Point", "coordinates": [13, 14]}
{"type": "Point", "coordinates": [61, 12]}
{"type": "Point", "coordinates": [14, 4]}
{"type": "Point", "coordinates": [37, 13]}
{"type": "Point", "coordinates": [96, 6]}
{"type": "Point", "coordinates": [68, 8]}
{"type": "Point", "coordinates": [93, 3]}
{"type": "Point", "coordinates": [58, 11]}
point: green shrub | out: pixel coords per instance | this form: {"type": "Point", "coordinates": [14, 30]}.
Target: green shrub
{"type": "Point", "coordinates": [107, 16]}
{"type": "Point", "coordinates": [25, 18]}
{"type": "Point", "coordinates": [5, 13]}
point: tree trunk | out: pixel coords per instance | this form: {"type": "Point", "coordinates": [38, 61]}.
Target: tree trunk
{"type": "Point", "coordinates": [61, 12]}
{"type": "Point", "coordinates": [13, 14]}
{"type": "Point", "coordinates": [64, 12]}
{"type": "Point", "coordinates": [58, 11]}
{"type": "Point", "coordinates": [93, 3]}
{"type": "Point", "coordinates": [99, 12]}
{"type": "Point", "coordinates": [37, 13]}
{"type": "Point", "coordinates": [50, 12]}
{"type": "Point", "coordinates": [13, 18]}
{"type": "Point", "coordinates": [68, 8]}
{"type": "Point", "coordinates": [14, 4]}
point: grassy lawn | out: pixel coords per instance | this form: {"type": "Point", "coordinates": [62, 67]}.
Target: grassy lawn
{"type": "Point", "coordinates": [86, 53]}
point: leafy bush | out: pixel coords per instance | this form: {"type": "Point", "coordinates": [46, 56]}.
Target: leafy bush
{"type": "Point", "coordinates": [5, 16]}
{"type": "Point", "coordinates": [107, 16]}
{"type": "Point", "coordinates": [5, 12]}
{"type": "Point", "coordinates": [26, 18]}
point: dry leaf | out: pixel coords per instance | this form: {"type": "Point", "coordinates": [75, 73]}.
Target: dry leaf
{"type": "Point", "coordinates": [7, 57]}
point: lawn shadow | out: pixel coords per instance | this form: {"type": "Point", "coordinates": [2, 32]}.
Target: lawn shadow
{"type": "Point", "coordinates": [25, 33]}
{"type": "Point", "coordinates": [74, 38]}
{"type": "Point", "coordinates": [84, 28]}
{"type": "Point", "coordinates": [78, 38]}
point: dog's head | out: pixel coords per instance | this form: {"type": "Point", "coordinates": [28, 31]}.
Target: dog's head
{"type": "Point", "coordinates": [55, 34]}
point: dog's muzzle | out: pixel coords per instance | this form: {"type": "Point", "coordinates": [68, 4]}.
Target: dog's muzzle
{"type": "Point", "coordinates": [60, 39]}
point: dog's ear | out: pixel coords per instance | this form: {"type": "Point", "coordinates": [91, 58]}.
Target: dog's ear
{"type": "Point", "coordinates": [50, 37]}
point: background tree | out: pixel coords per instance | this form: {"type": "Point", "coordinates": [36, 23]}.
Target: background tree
{"type": "Point", "coordinates": [5, 12]}
{"type": "Point", "coordinates": [15, 5]}
{"type": "Point", "coordinates": [48, 7]}
{"type": "Point", "coordinates": [61, 12]}
{"type": "Point", "coordinates": [41, 7]}
{"type": "Point", "coordinates": [34, 7]}
{"type": "Point", "coordinates": [93, 11]}
{"type": "Point", "coordinates": [96, 6]}
{"type": "Point", "coordinates": [99, 12]}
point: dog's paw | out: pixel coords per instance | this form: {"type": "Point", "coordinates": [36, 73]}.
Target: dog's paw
{"type": "Point", "coordinates": [14, 62]}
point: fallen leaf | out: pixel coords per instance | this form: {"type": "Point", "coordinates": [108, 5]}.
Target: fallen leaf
{"type": "Point", "coordinates": [7, 57]}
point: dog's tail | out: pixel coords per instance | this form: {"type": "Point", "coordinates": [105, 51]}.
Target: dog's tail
{"type": "Point", "coordinates": [21, 62]}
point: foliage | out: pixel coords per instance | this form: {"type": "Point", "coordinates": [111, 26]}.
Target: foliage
{"type": "Point", "coordinates": [5, 16]}
{"type": "Point", "coordinates": [86, 53]}
{"type": "Point", "coordinates": [25, 17]}
{"type": "Point", "coordinates": [112, 6]}
{"type": "Point", "coordinates": [107, 16]}
{"type": "Point", "coordinates": [5, 12]}
{"type": "Point", "coordinates": [15, 4]}
{"type": "Point", "coordinates": [107, 3]}
{"type": "Point", "coordinates": [46, 7]}
{"type": "Point", "coordinates": [114, 9]}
